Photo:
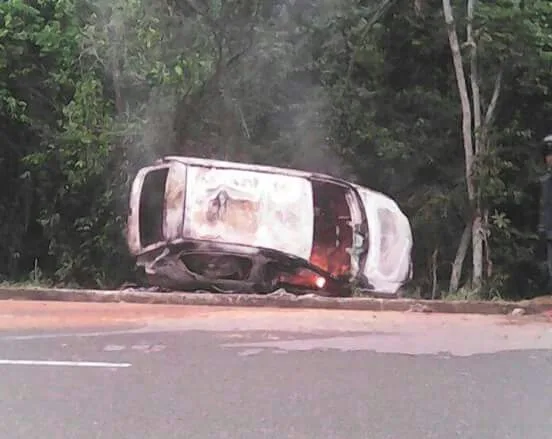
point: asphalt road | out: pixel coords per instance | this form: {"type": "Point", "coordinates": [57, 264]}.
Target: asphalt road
{"type": "Point", "coordinates": [177, 372]}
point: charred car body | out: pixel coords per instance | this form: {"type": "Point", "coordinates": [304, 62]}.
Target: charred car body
{"type": "Point", "coordinates": [197, 224]}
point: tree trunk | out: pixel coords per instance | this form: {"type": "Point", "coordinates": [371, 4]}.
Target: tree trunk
{"type": "Point", "coordinates": [477, 250]}
{"type": "Point", "coordinates": [487, 247]}
{"type": "Point", "coordinates": [467, 134]}
{"type": "Point", "coordinates": [477, 228]}
{"type": "Point", "coordinates": [459, 259]}
{"type": "Point", "coordinates": [475, 138]}
{"type": "Point", "coordinates": [482, 226]}
{"type": "Point", "coordinates": [434, 279]}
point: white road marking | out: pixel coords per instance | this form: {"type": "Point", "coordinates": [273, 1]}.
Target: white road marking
{"type": "Point", "coordinates": [147, 348]}
{"type": "Point", "coordinates": [249, 352]}
{"type": "Point", "coordinates": [72, 334]}
{"type": "Point", "coordinates": [62, 363]}
{"type": "Point", "coordinates": [113, 348]}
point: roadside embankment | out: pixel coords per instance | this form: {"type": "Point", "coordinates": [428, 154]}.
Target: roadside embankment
{"type": "Point", "coordinates": [279, 299]}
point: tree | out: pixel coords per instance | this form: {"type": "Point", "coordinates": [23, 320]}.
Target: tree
{"type": "Point", "coordinates": [479, 111]}
{"type": "Point", "coordinates": [36, 73]}
{"type": "Point", "coordinates": [91, 91]}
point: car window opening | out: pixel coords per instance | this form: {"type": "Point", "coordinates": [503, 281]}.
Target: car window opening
{"type": "Point", "coordinates": [333, 234]}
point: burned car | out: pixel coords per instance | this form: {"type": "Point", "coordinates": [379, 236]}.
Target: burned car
{"type": "Point", "coordinates": [198, 224]}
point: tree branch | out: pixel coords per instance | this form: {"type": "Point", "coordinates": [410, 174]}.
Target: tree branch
{"type": "Point", "coordinates": [491, 110]}
{"type": "Point", "coordinates": [474, 77]}
{"type": "Point", "coordinates": [464, 97]}
{"type": "Point", "coordinates": [378, 11]}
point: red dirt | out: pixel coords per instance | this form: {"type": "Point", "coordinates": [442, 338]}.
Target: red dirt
{"type": "Point", "coordinates": [37, 315]}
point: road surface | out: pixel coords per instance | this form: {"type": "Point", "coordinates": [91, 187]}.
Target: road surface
{"type": "Point", "coordinates": [107, 371]}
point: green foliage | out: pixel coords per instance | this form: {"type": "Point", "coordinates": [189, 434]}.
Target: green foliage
{"type": "Point", "coordinates": [92, 90]}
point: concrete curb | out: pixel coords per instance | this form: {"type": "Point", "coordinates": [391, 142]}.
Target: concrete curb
{"type": "Point", "coordinates": [277, 300]}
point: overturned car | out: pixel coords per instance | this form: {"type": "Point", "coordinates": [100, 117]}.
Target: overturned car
{"type": "Point", "coordinates": [197, 224]}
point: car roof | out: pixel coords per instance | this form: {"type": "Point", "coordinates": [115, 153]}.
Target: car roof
{"type": "Point", "coordinates": [223, 164]}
